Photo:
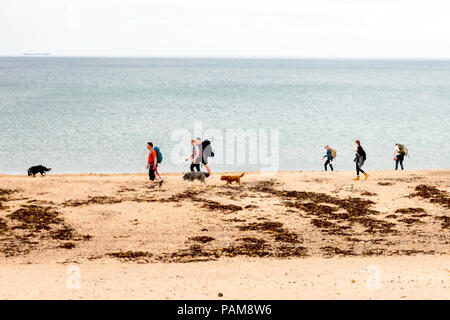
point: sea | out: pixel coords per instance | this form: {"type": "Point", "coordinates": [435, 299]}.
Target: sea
{"type": "Point", "coordinates": [96, 115]}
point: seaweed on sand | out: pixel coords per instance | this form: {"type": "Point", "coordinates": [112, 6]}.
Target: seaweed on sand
{"type": "Point", "coordinates": [188, 194]}
{"type": "Point", "coordinates": [410, 210]}
{"type": "Point", "coordinates": [92, 200]}
{"type": "Point", "coordinates": [202, 239]}
{"type": "Point", "coordinates": [368, 194]}
{"type": "Point", "coordinates": [276, 228]}
{"type": "Point", "coordinates": [4, 197]}
{"type": "Point", "coordinates": [376, 225]}
{"type": "Point", "coordinates": [3, 226]}
{"type": "Point", "coordinates": [214, 205]}
{"type": "Point", "coordinates": [36, 224]}
{"type": "Point", "coordinates": [4, 193]}
{"type": "Point", "coordinates": [36, 217]}
{"type": "Point", "coordinates": [130, 255]}
{"type": "Point", "coordinates": [445, 221]}
{"type": "Point", "coordinates": [251, 247]}
{"type": "Point", "coordinates": [433, 194]}
{"type": "Point", "coordinates": [332, 251]}
{"type": "Point", "coordinates": [65, 233]}
{"type": "Point", "coordinates": [68, 245]}
{"type": "Point", "coordinates": [410, 221]}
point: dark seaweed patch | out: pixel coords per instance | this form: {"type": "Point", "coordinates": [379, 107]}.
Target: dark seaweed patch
{"type": "Point", "coordinates": [368, 194]}
{"type": "Point", "coordinates": [68, 245]}
{"type": "Point", "coordinates": [410, 210]}
{"type": "Point", "coordinates": [130, 255]}
{"type": "Point", "coordinates": [214, 205]}
{"type": "Point", "coordinates": [3, 226]}
{"type": "Point", "coordinates": [91, 201]}
{"type": "Point", "coordinates": [433, 194]}
{"type": "Point", "coordinates": [332, 251]}
{"type": "Point", "coordinates": [36, 217]}
{"type": "Point", "coordinates": [410, 221]}
{"type": "Point", "coordinates": [445, 221]}
{"type": "Point", "coordinates": [33, 222]}
{"type": "Point", "coordinates": [202, 239]}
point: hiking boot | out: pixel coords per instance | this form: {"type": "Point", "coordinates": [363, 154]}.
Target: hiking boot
{"type": "Point", "coordinates": [357, 178]}
{"type": "Point", "coordinates": [366, 176]}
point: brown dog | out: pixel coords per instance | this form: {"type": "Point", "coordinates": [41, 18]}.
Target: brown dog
{"type": "Point", "coordinates": [230, 179]}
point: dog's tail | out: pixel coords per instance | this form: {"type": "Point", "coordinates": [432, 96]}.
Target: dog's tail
{"type": "Point", "coordinates": [242, 174]}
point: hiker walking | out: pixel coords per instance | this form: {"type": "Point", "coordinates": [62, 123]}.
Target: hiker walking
{"type": "Point", "coordinates": [154, 157]}
{"type": "Point", "coordinates": [400, 151]}
{"type": "Point", "coordinates": [196, 156]}
{"type": "Point", "coordinates": [360, 158]}
{"type": "Point", "coordinates": [330, 155]}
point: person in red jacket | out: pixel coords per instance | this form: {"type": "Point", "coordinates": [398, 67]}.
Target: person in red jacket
{"type": "Point", "coordinates": [152, 164]}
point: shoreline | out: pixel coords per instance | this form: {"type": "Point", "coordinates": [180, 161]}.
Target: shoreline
{"type": "Point", "coordinates": [5, 175]}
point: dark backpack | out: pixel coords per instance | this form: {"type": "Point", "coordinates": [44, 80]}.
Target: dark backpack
{"type": "Point", "coordinates": [158, 155]}
{"type": "Point", "coordinates": [207, 149]}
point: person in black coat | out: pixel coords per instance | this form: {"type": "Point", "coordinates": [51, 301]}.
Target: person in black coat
{"type": "Point", "coordinates": [360, 158]}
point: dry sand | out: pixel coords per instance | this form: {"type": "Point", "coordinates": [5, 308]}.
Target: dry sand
{"type": "Point", "coordinates": [291, 235]}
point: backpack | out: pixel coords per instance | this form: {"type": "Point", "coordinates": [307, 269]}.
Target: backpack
{"type": "Point", "coordinates": [402, 149]}
{"type": "Point", "coordinates": [158, 155]}
{"type": "Point", "coordinates": [333, 153]}
{"type": "Point", "coordinates": [207, 150]}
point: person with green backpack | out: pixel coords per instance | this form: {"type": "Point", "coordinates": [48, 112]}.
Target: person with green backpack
{"type": "Point", "coordinates": [154, 158]}
{"type": "Point", "coordinates": [400, 152]}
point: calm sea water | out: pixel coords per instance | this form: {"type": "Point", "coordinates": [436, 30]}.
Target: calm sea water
{"type": "Point", "coordinates": [81, 115]}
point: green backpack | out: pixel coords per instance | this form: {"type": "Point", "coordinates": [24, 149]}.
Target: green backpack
{"type": "Point", "coordinates": [402, 149]}
{"type": "Point", "coordinates": [158, 155]}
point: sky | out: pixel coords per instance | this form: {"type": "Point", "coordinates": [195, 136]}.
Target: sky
{"type": "Point", "coordinates": [228, 28]}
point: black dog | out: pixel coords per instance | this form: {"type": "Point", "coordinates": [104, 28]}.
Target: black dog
{"type": "Point", "coordinates": [33, 171]}
{"type": "Point", "coordinates": [191, 176]}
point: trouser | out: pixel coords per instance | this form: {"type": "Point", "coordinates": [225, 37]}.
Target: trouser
{"type": "Point", "coordinates": [151, 172]}
{"type": "Point", "coordinates": [400, 158]}
{"type": "Point", "coordinates": [328, 162]}
{"type": "Point", "coordinates": [196, 166]}
{"type": "Point", "coordinates": [358, 168]}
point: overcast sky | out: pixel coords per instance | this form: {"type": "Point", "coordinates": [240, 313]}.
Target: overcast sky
{"type": "Point", "coordinates": [236, 28]}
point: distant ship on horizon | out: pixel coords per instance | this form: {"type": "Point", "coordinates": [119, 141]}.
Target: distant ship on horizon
{"type": "Point", "coordinates": [36, 54]}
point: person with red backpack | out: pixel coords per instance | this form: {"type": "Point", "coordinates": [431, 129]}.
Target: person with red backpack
{"type": "Point", "coordinates": [154, 157]}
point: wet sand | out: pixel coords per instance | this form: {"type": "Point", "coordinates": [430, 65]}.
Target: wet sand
{"type": "Point", "coordinates": [293, 235]}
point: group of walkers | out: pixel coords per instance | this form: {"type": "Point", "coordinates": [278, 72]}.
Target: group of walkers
{"type": "Point", "coordinates": [201, 151]}
{"type": "Point", "coordinates": [400, 152]}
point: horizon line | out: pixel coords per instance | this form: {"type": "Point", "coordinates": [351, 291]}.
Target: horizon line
{"type": "Point", "coordinates": [50, 55]}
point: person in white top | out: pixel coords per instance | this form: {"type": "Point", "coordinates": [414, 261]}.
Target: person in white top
{"type": "Point", "coordinates": [399, 156]}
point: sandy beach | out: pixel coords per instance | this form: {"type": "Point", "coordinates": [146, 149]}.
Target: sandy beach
{"type": "Point", "coordinates": [290, 235]}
